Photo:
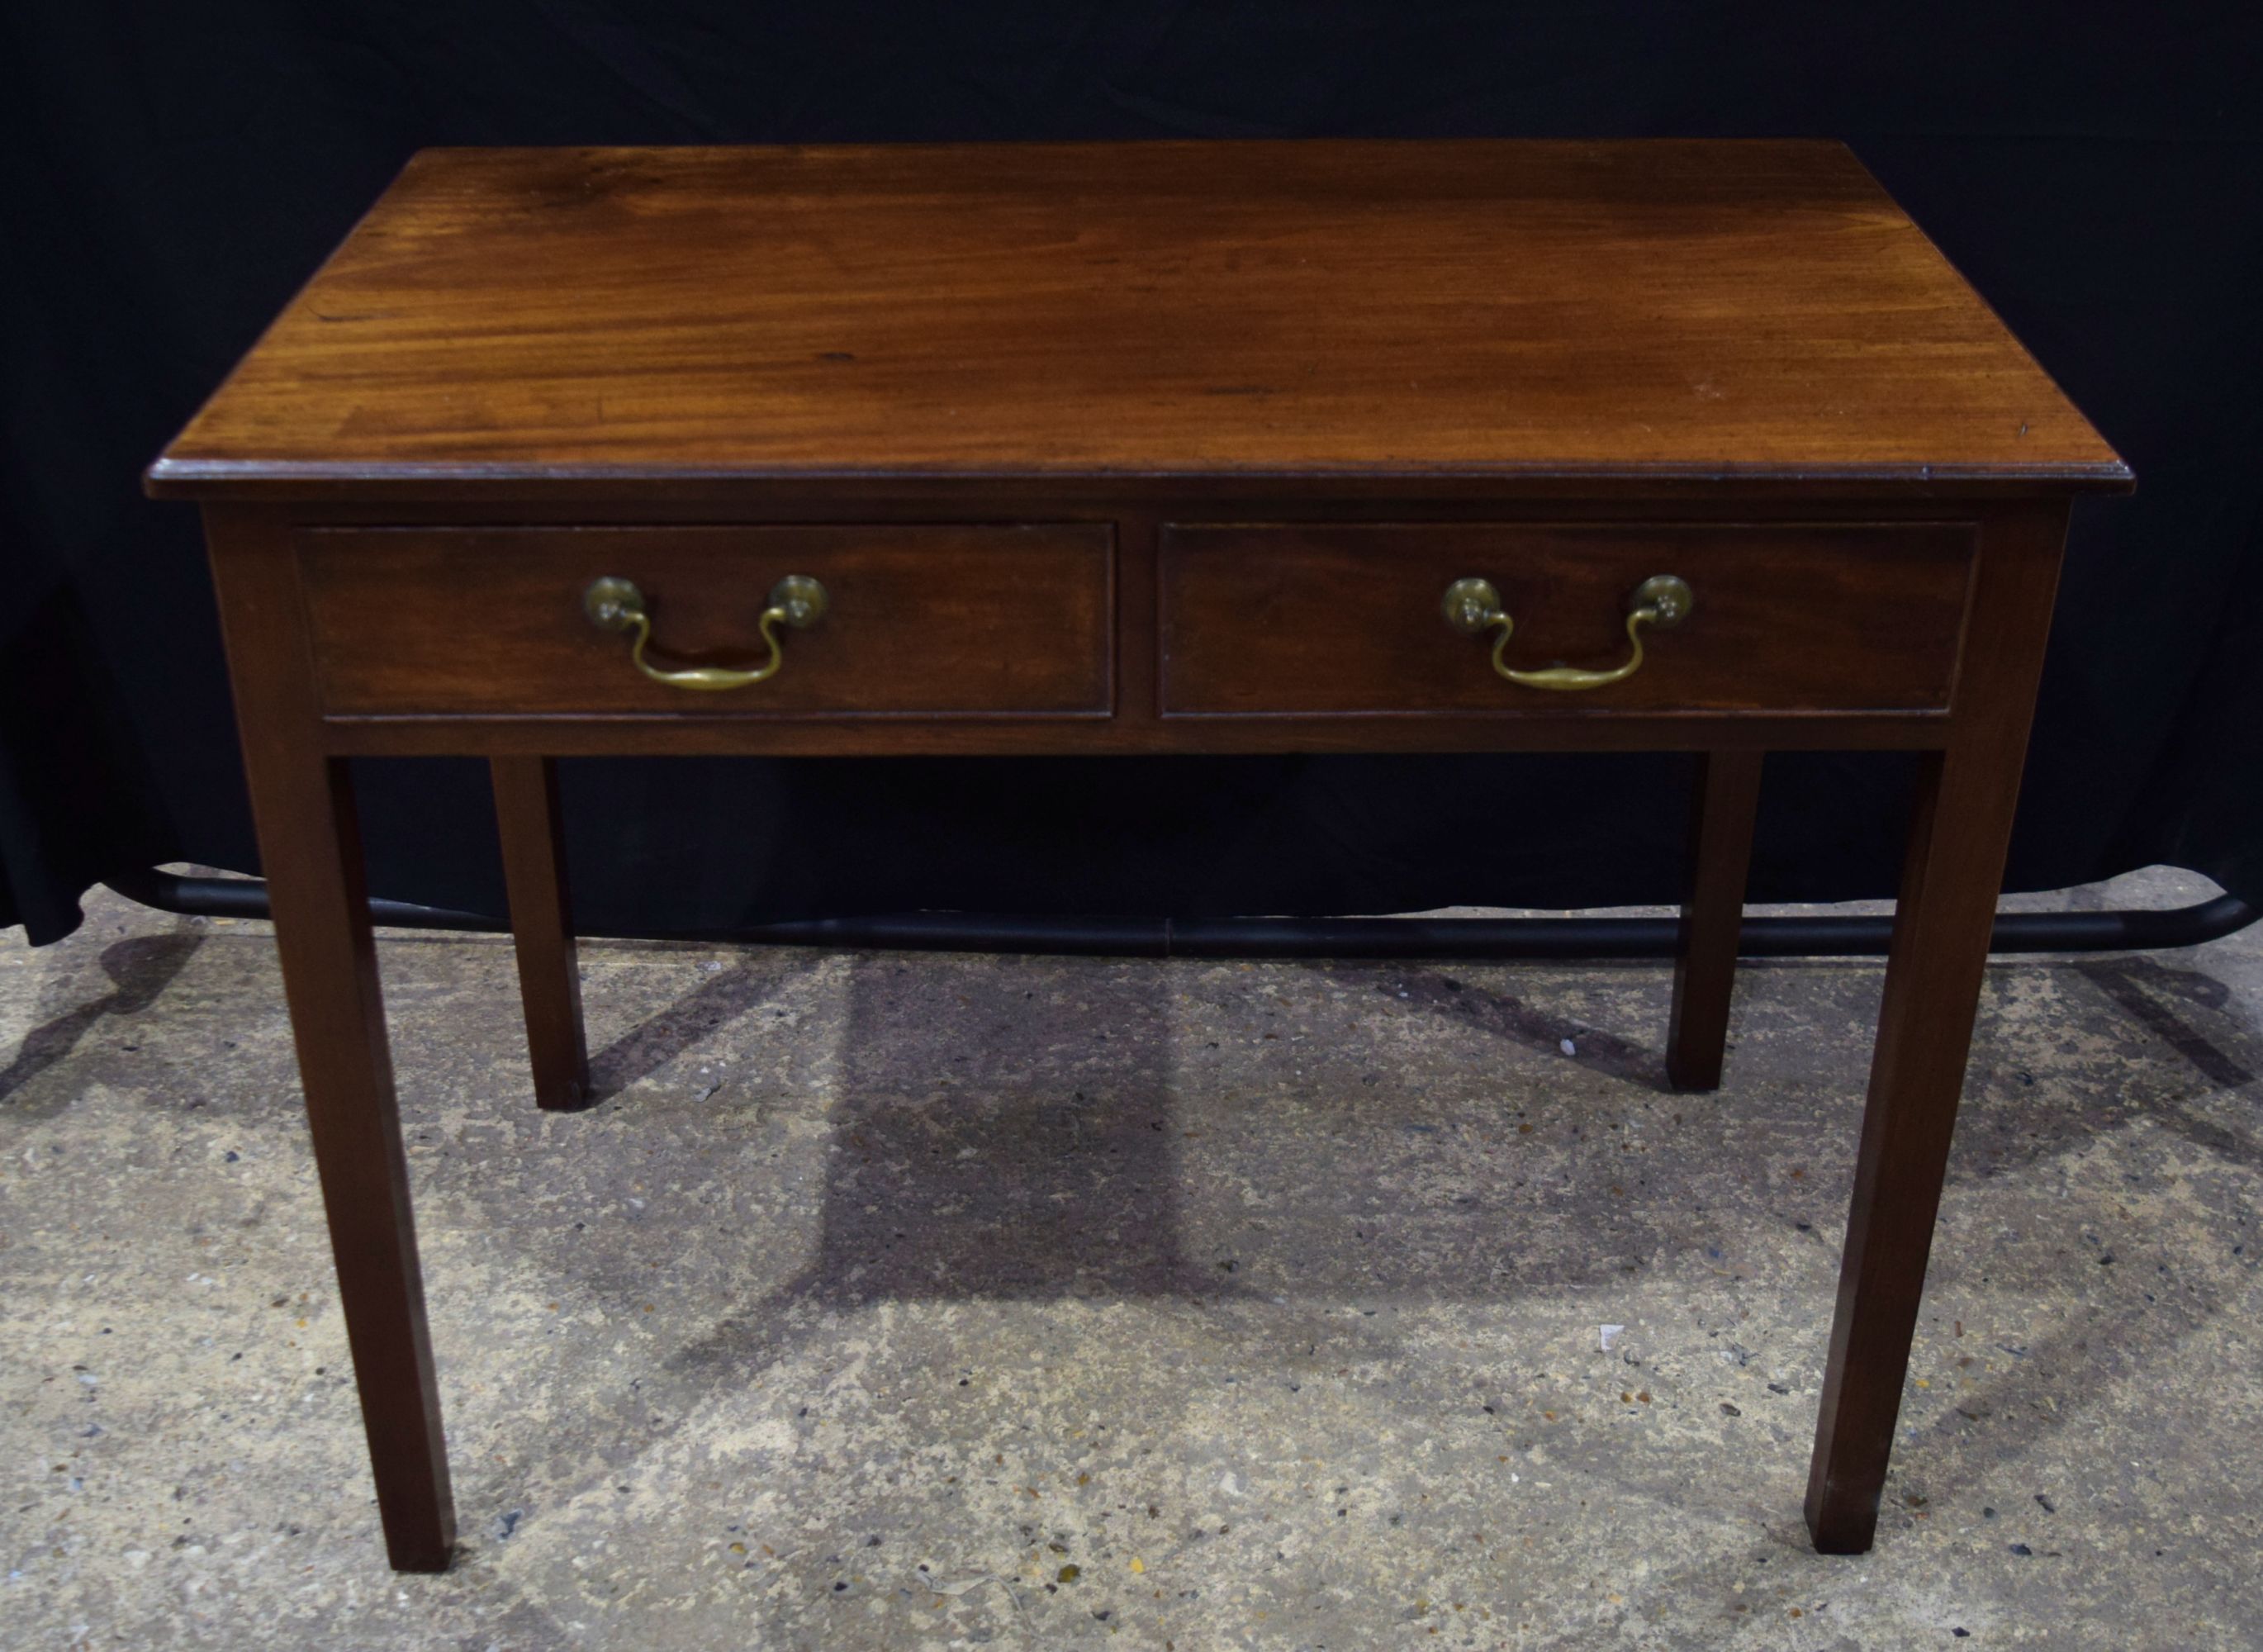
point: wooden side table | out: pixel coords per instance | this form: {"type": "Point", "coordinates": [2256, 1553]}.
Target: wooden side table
{"type": "Point", "coordinates": [1261, 447]}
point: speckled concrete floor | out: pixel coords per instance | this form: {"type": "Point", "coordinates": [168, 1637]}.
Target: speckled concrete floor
{"type": "Point", "coordinates": [895, 1301]}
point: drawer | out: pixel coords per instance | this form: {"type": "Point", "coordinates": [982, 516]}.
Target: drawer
{"type": "Point", "coordinates": [1321, 620]}
{"type": "Point", "coordinates": [917, 620]}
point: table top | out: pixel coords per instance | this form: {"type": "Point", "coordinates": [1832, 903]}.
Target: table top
{"type": "Point", "coordinates": [1627, 315]}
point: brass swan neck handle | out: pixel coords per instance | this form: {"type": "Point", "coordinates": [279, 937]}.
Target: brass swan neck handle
{"type": "Point", "coordinates": [1473, 606]}
{"type": "Point", "coordinates": [613, 603]}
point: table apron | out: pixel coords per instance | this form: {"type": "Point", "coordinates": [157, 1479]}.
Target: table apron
{"type": "Point", "coordinates": [690, 735]}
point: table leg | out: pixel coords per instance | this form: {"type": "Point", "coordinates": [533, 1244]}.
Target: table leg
{"type": "Point", "coordinates": [542, 927]}
{"type": "Point", "coordinates": [310, 849]}
{"type": "Point", "coordinates": [1947, 904]}
{"type": "Point", "coordinates": [1722, 813]}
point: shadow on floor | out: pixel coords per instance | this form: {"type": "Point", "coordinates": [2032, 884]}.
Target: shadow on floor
{"type": "Point", "coordinates": [140, 967]}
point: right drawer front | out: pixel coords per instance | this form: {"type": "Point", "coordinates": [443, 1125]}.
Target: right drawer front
{"type": "Point", "coordinates": [1312, 620]}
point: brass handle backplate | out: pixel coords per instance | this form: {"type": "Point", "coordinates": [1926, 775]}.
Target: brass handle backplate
{"type": "Point", "coordinates": [1473, 606]}
{"type": "Point", "coordinates": [613, 603]}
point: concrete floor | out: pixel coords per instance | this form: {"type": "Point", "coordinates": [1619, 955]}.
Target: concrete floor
{"type": "Point", "coordinates": [897, 1302]}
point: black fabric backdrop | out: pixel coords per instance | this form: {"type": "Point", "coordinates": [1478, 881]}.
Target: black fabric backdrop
{"type": "Point", "coordinates": [175, 171]}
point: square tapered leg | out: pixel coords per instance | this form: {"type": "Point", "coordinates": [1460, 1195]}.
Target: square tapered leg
{"type": "Point", "coordinates": [1722, 812]}
{"type": "Point", "coordinates": [542, 928]}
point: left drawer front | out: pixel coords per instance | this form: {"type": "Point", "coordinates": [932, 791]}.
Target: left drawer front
{"type": "Point", "coordinates": [927, 621]}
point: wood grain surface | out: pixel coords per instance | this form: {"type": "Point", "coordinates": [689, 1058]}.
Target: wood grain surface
{"type": "Point", "coordinates": [1647, 311]}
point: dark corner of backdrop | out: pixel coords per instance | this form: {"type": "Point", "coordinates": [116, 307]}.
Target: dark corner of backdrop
{"type": "Point", "coordinates": [180, 170]}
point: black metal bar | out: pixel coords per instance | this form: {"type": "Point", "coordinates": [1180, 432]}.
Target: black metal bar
{"type": "Point", "coordinates": [1573, 937]}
